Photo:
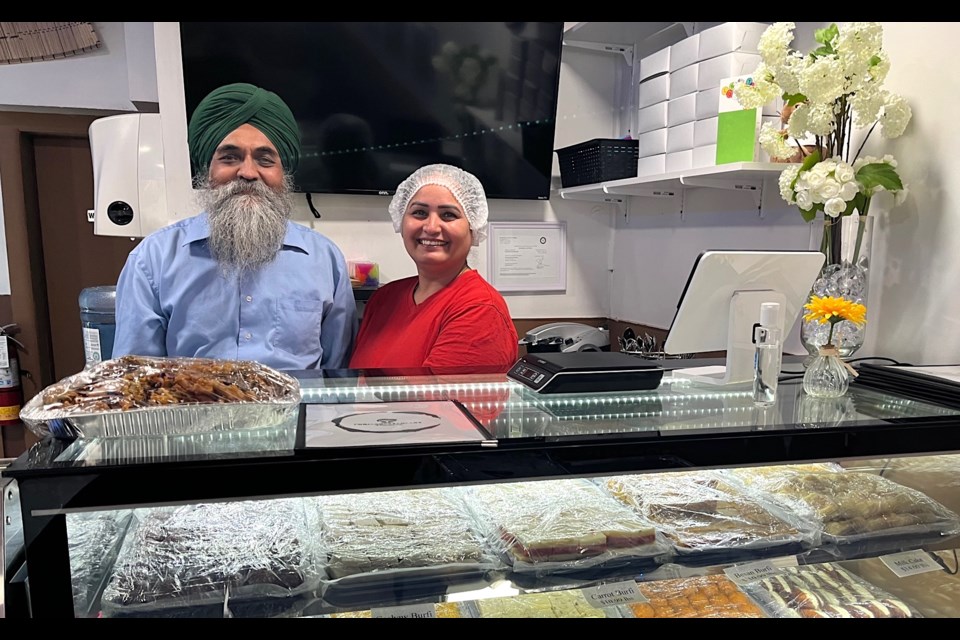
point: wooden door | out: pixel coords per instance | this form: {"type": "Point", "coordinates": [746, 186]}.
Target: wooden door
{"type": "Point", "coordinates": [73, 257]}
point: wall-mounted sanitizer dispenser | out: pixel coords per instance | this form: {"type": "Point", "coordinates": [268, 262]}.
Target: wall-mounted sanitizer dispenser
{"type": "Point", "coordinates": [129, 186]}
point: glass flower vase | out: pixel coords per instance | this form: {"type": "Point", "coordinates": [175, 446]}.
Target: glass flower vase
{"type": "Point", "coordinates": [815, 412]}
{"type": "Point", "coordinates": [846, 242]}
{"type": "Point", "coordinates": [827, 375]}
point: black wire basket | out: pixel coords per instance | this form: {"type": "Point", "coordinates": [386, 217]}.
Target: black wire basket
{"type": "Point", "coordinates": [598, 160]}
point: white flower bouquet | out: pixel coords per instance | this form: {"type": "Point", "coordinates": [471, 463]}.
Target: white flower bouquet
{"type": "Point", "coordinates": [828, 92]}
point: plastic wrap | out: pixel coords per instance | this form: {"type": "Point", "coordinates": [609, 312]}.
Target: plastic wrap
{"type": "Point", "coordinates": [137, 395]}
{"type": "Point", "coordinates": [857, 513]}
{"type": "Point", "coordinates": [194, 555]}
{"type": "Point", "coordinates": [937, 476]}
{"type": "Point", "coordinates": [568, 528]}
{"type": "Point", "coordinates": [751, 475]}
{"type": "Point", "coordinates": [934, 594]}
{"type": "Point", "coordinates": [546, 604]}
{"type": "Point", "coordinates": [94, 541]}
{"type": "Point", "coordinates": [391, 547]}
{"type": "Point", "coordinates": [709, 520]}
{"type": "Point", "coordinates": [441, 610]}
{"type": "Point", "coordinates": [713, 596]}
{"type": "Point", "coordinates": [824, 591]}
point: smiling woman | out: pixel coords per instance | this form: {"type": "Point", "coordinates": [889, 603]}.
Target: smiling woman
{"type": "Point", "coordinates": [446, 318]}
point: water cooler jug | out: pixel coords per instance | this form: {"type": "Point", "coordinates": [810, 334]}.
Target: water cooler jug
{"type": "Point", "coordinates": [97, 307]}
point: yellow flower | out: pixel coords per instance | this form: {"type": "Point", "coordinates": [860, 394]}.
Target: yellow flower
{"type": "Point", "coordinates": [833, 310]}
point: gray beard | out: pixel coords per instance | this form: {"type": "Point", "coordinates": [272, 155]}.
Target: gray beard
{"type": "Point", "coordinates": [247, 220]}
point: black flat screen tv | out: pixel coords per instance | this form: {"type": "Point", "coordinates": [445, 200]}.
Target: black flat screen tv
{"type": "Point", "coordinates": [376, 100]}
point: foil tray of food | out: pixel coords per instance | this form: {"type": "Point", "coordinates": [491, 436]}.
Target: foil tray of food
{"type": "Point", "coordinates": [140, 395]}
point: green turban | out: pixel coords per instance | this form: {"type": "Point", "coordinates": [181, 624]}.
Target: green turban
{"type": "Point", "coordinates": [232, 105]}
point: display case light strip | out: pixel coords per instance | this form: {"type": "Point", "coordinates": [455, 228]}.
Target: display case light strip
{"type": "Point", "coordinates": [677, 413]}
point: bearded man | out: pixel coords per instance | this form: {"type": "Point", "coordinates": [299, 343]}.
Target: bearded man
{"type": "Point", "coordinates": [239, 281]}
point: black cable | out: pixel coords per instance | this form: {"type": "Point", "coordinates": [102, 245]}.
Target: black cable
{"type": "Point", "coordinates": [316, 214]}
{"type": "Point", "coordinates": [942, 563]}
{"type": "Point", "coordinates": [901, 364]}
{"type": "Point", "coordinates": [790, 375]}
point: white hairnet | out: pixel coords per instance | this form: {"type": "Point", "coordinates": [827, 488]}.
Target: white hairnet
{"type": "Point", "coordinates": [464, 186]}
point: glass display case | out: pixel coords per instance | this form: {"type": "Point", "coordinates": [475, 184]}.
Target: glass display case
{"type": "Point", "coordinates": [563, 500]}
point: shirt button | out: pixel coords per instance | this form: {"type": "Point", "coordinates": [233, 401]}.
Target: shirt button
{"type": "Point", "coordinates": [249, 298]}
{"type": "Point", "coordinates": [248, 336]}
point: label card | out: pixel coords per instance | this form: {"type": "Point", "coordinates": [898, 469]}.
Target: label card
{"type": "Point", "coordinates": [409, 611]}
{"type": "Point", "coordinates": [608, 595]}
{"type": "Point", "coordinates": [748, 572]}
{"type": "Point", "coordinates": [909, 563]}
{"type": "Point", "coordinates": [4, 353]}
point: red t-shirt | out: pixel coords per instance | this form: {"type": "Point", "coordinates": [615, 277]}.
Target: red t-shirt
{"type": "Point", "coordinates": [464, 327]}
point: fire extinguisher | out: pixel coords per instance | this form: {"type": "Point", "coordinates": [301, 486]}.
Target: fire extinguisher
{"type": "Point", "coordinates": [11, 393]}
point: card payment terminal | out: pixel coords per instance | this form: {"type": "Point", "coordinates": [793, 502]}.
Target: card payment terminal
{"type": "Point", "coordinates": [585, 372]}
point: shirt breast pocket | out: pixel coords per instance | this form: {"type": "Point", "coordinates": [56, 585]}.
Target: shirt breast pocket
{"type": "Point", "coordinates": [297, 328]}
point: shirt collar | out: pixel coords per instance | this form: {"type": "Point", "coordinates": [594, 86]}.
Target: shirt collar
{"type": "Point", "coordinates": [199, 229]}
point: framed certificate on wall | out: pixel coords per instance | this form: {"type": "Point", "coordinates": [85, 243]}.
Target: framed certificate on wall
{"type": "Point", "coordinates": [527, 257]}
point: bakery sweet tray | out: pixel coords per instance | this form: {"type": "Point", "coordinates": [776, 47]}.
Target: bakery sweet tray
{"type": "Point", "coordinates": [137, 396]}
{"type": "Point", "coordinates": [195, 557]}
{"type": "Point", "coordinates": [178, 420]}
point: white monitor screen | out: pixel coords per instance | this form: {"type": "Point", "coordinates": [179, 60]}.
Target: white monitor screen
{"type": "Point", "coordinates": [700, 323]}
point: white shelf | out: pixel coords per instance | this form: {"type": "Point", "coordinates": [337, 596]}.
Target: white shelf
{"type": "Point", "coordinates": [748, 176]}
{"type": "Point", "coordinates": [625, 33]}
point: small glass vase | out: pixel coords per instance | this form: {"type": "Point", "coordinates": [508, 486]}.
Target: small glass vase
{"type": "Point", "coordinates": [827, 375]}
{"type": "Point", "coordinates": [846, 242]}
{"type": "Point", "coordinates": [815, 412]}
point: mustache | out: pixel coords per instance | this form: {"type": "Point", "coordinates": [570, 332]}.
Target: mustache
{"type": "Point", "coordinates": [213, 194]}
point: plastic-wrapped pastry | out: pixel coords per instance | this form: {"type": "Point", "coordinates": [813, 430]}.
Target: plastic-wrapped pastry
{"type": "Point", "coordinates": [128, 395]}
{"type": "Point", "coordinates": [936, 476]}
{"type": "Point", "coordinates": [419, 529]}
{"type": "Point", "coordinates": [94, 540]}
{"type": "Point", "coordinates": [441, 610]}
{"type": "Point", "coordinates": [548, 604]}
{"type": "Point", "coordinates": [850, 505]}
{"type": "Point", "coordinates": [935, 594]}
{"type": "Point", "coordinates": [196, 554]}
{"type": "Point", "coordinates": [825, 591]}
{"type": "Point", "coordinates": [699, 511]}
{"type": "Point", "coordinates": [749, 475]}
{"type": "Point", "coordinates": [713, 596]}
{"type": "Point", "coordinates": [569, 521]}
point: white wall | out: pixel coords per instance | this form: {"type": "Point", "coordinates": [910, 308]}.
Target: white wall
{"type": "Point", "coordinates": [93, 80]}
{"type": "Point", "coordinates": [915, 314]}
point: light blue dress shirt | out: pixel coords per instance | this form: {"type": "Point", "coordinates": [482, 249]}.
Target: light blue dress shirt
{"type": "Point", "coordinates": [298, 312]}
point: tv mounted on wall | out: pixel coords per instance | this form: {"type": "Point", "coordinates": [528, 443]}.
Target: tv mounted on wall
{"type": "Point", "coordinates": [376, 100]}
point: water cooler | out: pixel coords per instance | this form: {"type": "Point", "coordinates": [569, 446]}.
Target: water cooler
{"type": "Point", "coordinates": [97, 309]}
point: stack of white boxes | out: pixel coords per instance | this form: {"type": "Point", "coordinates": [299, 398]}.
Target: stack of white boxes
{"type": "Point", "coordinates": [653, 93]}
{"type": "Point", "coordinates": [679, 94]}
